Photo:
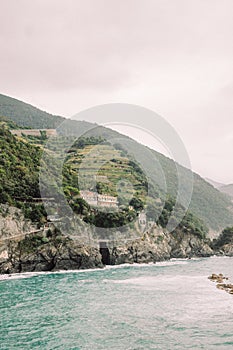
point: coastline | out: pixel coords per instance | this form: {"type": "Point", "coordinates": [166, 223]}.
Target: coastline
{"type": "Point", "coordinates": [169, 262]}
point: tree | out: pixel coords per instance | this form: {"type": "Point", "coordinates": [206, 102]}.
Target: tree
{"type": "Point", "coordinates": [136, 203]}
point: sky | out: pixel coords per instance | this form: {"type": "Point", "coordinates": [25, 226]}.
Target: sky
{"type": "Point", "coordinates": [174, 57]}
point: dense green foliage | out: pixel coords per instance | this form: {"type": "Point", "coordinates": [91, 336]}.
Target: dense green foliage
{"type": "Point", "coordinates": [19, 165]}
{"type": "Point", "coordinates": [19, 175]}
{"type": "Point", "coordinates": [189, 223]}
{"type": "Point", "coordinates": [226, 237]}
{"type": "Point", "coordinates": [207, 203]}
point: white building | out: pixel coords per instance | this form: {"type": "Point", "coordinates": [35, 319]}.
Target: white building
{"type": "Point", "coordinates": [103, 200]}
{"type": "Point", "coordinates": [142, 220]}
{"type": "Point", "coordinates": [90, 197]}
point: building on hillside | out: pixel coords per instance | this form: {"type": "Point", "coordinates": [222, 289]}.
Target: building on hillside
{"type": "Point", "coordinates": [107, 201]}
{"type": "Point", "coordinates": [34, 132]}
{"type": "Point", "coordinates": [54, 218]}
{"type": "Point", "coordinates": [142, 220]}
{"type": "Point", "coordinates": [103, 200]}
{"type": "Point", "coordinates": [90, 197]}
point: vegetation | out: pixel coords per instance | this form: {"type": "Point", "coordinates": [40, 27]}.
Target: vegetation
{"type": "Point", "coordinates": [27, 116]}
{"type": "Point", "coordinates": [211, 206]}
{"type": "Point", "coordinates": [19, 175]}
{"type": "Point", "coordinates": [189, 223]}
{"type": "Point", "coordinates": [104, 170]}
{"type": "Point", "coordinates": [227, 189]}
{"type": "Point", "coordinates": [19, 168]}
{"type": "Point", "coordinates": [226, 237]}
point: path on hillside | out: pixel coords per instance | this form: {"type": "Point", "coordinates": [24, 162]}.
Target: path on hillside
{"type": "Point", "coordinates": [21, 235]}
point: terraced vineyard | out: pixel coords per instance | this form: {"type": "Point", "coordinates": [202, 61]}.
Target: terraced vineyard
{"type": "Point", "coordinates": [109, 171]}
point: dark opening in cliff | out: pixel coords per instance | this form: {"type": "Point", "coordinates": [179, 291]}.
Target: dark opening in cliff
{"type": "Point", "coordinates": [104, 251]}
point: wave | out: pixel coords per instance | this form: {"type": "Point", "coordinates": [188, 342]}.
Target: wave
{"type": "Point", "coordinates": [171, 262]}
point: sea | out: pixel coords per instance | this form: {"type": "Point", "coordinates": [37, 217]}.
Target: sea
{"type": "Point", "coordinates": [167, 305]}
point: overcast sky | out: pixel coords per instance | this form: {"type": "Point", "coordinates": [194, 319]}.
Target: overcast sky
{"type": "Point", "coordinates": [174, 57]}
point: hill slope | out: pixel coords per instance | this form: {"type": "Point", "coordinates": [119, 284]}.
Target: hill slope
{"type": "Point", "coordinates": [212, 206]}
{"type": "Point", "coordinates": [214, 183]}
{"type": "Point", "coordinates": [25, 115]}
{"type": "Point", "coordinates": [228, 189]}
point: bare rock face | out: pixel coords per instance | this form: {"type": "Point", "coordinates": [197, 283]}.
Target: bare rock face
{"type": "Point", "coordinates": [38, 253]}
{"type": "Point", "coordinates": [157, 245]}
{"type": "Point", "coordinates": [13, 222]}
{"type": "Point", "coordinates": [13, 226]}
{"type": "Point", "coordinates": [149, 248]}
{"type": "Point", "coordinates": [186, 245]}
{"type": "Point", "coordinates": [24, 249]}
{"type": "Point", "coordinates": [227, 249]}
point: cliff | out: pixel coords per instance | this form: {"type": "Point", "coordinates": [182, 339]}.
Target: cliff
{"type": "Point", "coordinates": [223, 245]}
{"type": "Point", "coordinates": [157, 245]}
{"type": "Point", "coordinates": [22, 249]}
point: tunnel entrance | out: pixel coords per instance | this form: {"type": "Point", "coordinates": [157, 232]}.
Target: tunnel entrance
{"type": "Point", "coordinates": [104, 251]}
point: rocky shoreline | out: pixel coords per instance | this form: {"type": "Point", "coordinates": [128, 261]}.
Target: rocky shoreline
{"type": "Point", "coordinates": [49, 250]}
{"type": "Point", "coordinates": [57, 252]}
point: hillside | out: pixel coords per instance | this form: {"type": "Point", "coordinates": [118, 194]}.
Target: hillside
{"type": "Point", "coordinates": [19, 166]}
{"type": "Point", "coordinates": [210, 205]}
{"type": "Point", "coordinates": [27, 116]}
{"type": "Point", "coordinates": [228, 189]}
{"type": "Point", "coordinates": [214, 183]}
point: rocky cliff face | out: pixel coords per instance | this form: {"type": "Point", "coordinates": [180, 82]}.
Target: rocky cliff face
{"type": "Point", "coordinates": [48, 250]}
{"type": "Point", "coordinates": [223, 245]}
{"type": "Point", "coordinates": [25, 248]}
{"type": "Point", "coordinates": [59, 253]}
{"type": "Point", "coordinates": [224, 249]}
{"type": "Point", "coordinates": [227, 250]}
{"type": "Point", "coordinates": [13, 223]}
{"type": "Point", "coordinates": [13, 226]}
{"type": "Point", "coordinates": [157, 245]}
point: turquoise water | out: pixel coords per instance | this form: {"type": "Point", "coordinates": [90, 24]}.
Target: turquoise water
{"type": "Point", "coordinates": [166, 306]}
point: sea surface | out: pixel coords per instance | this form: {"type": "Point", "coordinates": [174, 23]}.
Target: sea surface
{"type": "Point", "coordinates": [170, 305]}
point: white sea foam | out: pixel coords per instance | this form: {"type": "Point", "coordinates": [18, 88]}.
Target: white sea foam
{"type": "Point", "coordinates": [122, 266]}
{"type": "Point", "coordinates": [151, 264]}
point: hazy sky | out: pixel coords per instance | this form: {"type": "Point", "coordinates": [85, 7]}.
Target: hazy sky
{"type": "Point", "coordinates": [175, 57]}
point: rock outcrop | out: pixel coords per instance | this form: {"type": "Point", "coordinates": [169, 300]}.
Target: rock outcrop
{"type": "Point", "coordinates": [157, 245]}
{"type": "Point", "coordinates": [40, 253]}
{"type": "Point", "coordinates": [13, 222]}
{"type": "Point", "coordinates": [49, 250]}
{"type": "Point", "coordinates": [226, 249]}
{"type": "Point", "coordinates": [24, 247]}
{"type": "Point", "coordinates": [223, 245]}
{"type": "Point", "coordinates": [219, 280]}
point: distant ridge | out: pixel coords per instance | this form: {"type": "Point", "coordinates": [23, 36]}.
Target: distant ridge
{"type": "Point", "coordinates": [214, 183]}
{"type": "Point", "coordinates": [26, 115]}
{"type": "Point", "coordinates": [228, 189]}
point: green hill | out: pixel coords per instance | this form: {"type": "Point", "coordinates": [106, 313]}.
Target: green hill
{"type": "Point", "coordinates": [209, 204]}
{"type": "Point", "coordinates": [27, 116]}
{"type": "Point", "coordinates": [19, 183]}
